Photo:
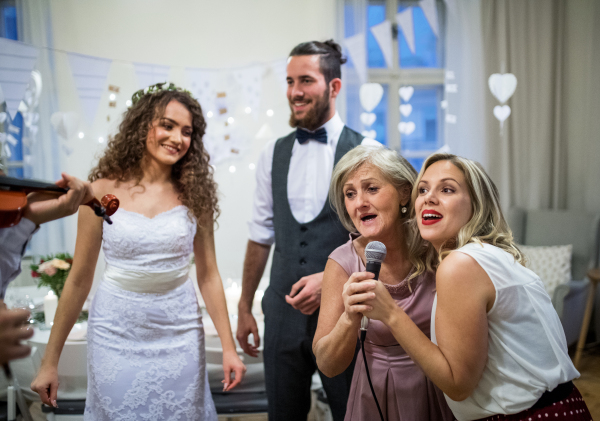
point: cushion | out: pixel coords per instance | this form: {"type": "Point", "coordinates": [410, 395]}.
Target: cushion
{"type": "Point", "coordinates": [551, 263]}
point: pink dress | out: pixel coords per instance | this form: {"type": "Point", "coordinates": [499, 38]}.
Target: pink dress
{"type": "Point", "coordinates": [403, 391]}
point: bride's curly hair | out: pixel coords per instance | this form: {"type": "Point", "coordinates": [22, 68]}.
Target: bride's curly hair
{"type": "Point", "coordinates": [192, 175]}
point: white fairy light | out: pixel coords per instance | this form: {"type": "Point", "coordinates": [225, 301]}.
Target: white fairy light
{"type": "Point", "coordinates": [248, 110]}
{"type": "Point", "coordinates": [128, 103]}
{"type": "Point", "coordinates": [100, 139]}
{"type": "Point", "coordinates": [251, 166]}
{"type": "Point", "coordinates": [112, 97]}
{"type": "Point", "coordinates": [232, 169]}
{"type": "Point", "coordinates": [230, 120]}
{"type": "Point", "coordinates": [209, 114]}
{"type": "Point", "coordinates": [81, 135]}
{"type": "Point", "coordinates": [270, 113]}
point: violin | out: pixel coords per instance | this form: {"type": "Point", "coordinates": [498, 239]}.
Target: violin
{"type": "Point", "coordinates": [13, 199]}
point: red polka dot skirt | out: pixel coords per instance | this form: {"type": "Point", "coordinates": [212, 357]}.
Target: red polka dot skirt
{"type": "Point", "coordinates": [572, 407]}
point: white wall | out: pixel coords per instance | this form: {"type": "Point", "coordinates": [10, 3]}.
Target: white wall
{"type": "Point", "coordinates": [179, 33]}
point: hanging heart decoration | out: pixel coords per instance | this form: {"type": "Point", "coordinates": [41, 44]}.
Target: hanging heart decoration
{"type": "Point", "coordinates": [368, 118]}
{"type": "Point", "coordinates": [502, 86]}
{"type": "Point", "coordinates": [406, 93]}
{"type": "Point", "coordinates": [371, 134]}
{"type": "Point", "coordinates": [501, 112]}
{"type": "Point", "coordinates": [405, 109]}
{"type": "Point", "coordinates": [406, 127]}
{"type": "Point", "coordinates": [370, 95]}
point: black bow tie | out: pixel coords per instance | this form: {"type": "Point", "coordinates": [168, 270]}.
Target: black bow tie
{"type": "Point", "coordinates": [304, 135]}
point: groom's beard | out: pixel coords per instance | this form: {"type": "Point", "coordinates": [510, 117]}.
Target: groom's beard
{"type": "Point", "coordinates": [315, 117]}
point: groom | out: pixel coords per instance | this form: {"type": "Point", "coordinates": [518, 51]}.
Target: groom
{"type": "Point", "coordinates": [292, 211]}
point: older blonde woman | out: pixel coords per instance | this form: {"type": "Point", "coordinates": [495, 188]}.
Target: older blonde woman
{"type": "Point", "coordinates": [497, 347]}
{"type": "Point", "coordinates": [370, 190]}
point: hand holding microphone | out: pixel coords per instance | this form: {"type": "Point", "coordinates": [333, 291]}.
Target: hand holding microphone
{"type": "Point", "coordinates": [375, 253]}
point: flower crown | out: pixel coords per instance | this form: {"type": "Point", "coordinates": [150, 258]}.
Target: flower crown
{"type": "Point", "coordinates": [158, 87]}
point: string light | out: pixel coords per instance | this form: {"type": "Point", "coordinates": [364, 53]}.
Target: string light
{"type": "Point", "coordinates": [209, 114]}
{"type": "Point", "coordinates": [232, 169]}
{"type": "Point", "coordinates": [270, 113]}
{"type": "Point", "coordinates": [100, 139]}
{"type": "Point", "coordinates": [128, 103]}
{"type": "Point", "coordinates": [251, 166]}
{"type": "Point", "coordinates": [81, 135]}
{"type": "Point", "coordinates": [248, 110]}
{"type": "Point", "coordinates": [112, 97]}
{"type": "Point", "coordinates": [230, 120]}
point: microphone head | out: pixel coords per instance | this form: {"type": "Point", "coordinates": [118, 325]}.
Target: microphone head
{"type": "Point", "coordinates": [375, 252]}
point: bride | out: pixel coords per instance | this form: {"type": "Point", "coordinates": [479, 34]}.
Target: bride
{"type": "Point", "coordinates": [145, 336]}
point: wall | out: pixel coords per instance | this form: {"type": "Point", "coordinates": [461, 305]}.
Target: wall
{"type": "Point", "coordinates": [207, 34]}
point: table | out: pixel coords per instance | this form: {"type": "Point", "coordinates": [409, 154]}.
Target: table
{"type": "Point", "coordinates": [594, 276]}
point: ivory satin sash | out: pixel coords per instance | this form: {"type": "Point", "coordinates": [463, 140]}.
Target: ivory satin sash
{"type": "Point", "coordinates": [145, 282]}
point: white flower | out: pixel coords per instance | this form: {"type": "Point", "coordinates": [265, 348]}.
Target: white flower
{"type": "Point", "coordinates": [60, 264]}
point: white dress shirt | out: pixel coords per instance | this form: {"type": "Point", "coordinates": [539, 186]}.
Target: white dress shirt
{"type": "Point", "coordinates": [311, 166]}
{"type": "Point", "coordinates": [13, 241]}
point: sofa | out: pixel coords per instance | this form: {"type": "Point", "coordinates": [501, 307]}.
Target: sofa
{"type": "Point", "coordinates": [559, 227]}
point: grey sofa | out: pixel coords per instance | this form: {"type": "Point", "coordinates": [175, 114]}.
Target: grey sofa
{"type": "Point", "coordinates": [552, 228]}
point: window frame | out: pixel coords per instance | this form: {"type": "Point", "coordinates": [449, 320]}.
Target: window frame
{"type": "Point", "coordinates": [396, 77]}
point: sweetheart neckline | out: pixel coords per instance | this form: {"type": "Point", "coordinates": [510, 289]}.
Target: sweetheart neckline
{"type": "Point", "coordinates": [155, 216]}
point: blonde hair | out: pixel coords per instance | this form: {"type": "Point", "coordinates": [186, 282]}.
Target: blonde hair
{"type": "Point", "coordinates": [487, 224]}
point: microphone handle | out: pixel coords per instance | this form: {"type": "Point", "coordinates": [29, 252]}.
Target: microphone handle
{"type": "Point", "coordinates": [374, 268]}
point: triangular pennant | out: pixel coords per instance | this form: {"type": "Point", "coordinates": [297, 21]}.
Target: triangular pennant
{"type": "Point", "coordinates": [250, 80]}
{"type": "Point", "coordinates": [150, 74]}
{"type": "Point", "coordinates": [279, 69]}
{"type": "Point", "coordinates": [430, 12]}
{"type": "Point", "coordinates": [89, 74]}
{"type": "Point", "coordinates": [357, 50]}
{"type": "Point", "coordinates": [405, 22]}
{"type": "Point", "coordinates": [202, 83]}
{"type": "Point", "coordinates": [383, 36]}
{"type": "Point", "coordinates": [18, 60]}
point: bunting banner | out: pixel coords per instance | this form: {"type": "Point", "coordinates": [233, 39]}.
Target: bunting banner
{"type": "Point", "coordinates": [203, 85]}
{"type": "Point", "coordinates": [150, 74]}
{"type": "Point", "coordinates": [89, 74]}
{"type": "Point", "coordinates": [430, 10]}
{"type": "Point", "coordinates": [404, 20]}
{"type": "Point", "coordinates": [383, 35]}
{"type": "Point", "coordinates": [18, 60]}
{"type": "Point", "coordinates": [357, 50]}
{"type": "Point", "coordinates": [279, 69]}
{"type": "Point", "coordinates": [250, 80]}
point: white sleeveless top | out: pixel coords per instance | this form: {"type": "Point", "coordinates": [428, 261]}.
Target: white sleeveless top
{"type": "Point", "coordinates": [527, 349]}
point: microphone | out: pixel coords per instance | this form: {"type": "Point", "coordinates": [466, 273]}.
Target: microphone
{"type": "Point", "coordinates": [375, 255]}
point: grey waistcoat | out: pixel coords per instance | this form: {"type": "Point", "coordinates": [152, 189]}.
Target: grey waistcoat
{"type": "Point", "coordinates": [302, 249]}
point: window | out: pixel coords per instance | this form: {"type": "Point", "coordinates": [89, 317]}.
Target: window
{"type": "Point", "coordinates": [413, 123]}
{"type": "Point", "coordinates": [11, 153]}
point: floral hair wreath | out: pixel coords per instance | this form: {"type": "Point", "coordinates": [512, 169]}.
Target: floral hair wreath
{"type": "Point", "coordinates": [158, 87]}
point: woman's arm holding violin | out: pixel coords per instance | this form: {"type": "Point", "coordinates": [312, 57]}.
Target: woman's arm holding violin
{"type": "Point", "coordinates": [76, 290]}
{"type": "Point", "coordinates": [464, 296]}
{"type": "Point", "coordinates": [334, 343]}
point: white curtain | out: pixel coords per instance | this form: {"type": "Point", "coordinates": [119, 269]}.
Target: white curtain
{"type": "Point", "coordinates": [35, 28]}
{"type": "Point", "coordinates": [465, 61]}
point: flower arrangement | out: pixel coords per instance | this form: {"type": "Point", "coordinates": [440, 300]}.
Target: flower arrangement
{"type": "Point", "coordinates": [52, 271]}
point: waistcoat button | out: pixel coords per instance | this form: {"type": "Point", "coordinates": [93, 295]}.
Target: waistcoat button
{"type": "Point", "coordinates": [303, 244]}
{"type": "Point", "coordinates": [303, 228]}
{"type": "Point", "coordinates": [303, 261]}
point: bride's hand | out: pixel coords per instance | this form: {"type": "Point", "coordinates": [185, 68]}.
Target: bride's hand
{"type": "Point", "coordinates": [45, 384]}
{"type": "Point", "coordinates": [356, 291]}
{"type": "Point", "coordinates": [232, 365]}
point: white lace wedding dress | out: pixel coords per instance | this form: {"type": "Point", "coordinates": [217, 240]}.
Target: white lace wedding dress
{"type": "Point", "coordinates": [146, 356]}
